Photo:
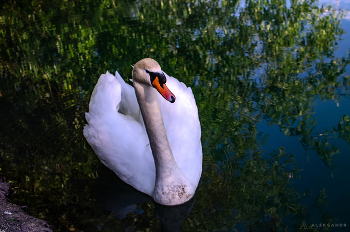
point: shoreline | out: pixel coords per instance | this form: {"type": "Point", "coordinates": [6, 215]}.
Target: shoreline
{"type": "Point", "coordinates": [14, 219]}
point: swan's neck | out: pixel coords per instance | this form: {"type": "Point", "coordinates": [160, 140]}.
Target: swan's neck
{"type": "Point", "coordinates": [171, 186]}
{"type": "Point", "coordinates": [147, 99]}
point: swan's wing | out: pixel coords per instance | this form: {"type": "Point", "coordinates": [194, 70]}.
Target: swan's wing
{"type": "Point", "coordinates": [128, 103]}
{"type": "Point", "coordinates": [183, 129]}
{"type": "Point", "coordinates": [119, 140]}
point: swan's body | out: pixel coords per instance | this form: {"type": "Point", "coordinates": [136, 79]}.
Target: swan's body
{"type": "Point", "coordinates": [150, 143]}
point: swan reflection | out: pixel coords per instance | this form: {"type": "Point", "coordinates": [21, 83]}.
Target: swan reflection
{"type": "Point", "coordinates": [121, 199]}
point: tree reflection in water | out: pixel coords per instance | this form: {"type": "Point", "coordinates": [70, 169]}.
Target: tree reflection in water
{"type": "Point", "coordinates": [264, 62]}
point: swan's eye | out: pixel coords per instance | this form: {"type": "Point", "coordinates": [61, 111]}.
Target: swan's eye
{"type": "Point", "coordinates": [154, 75]}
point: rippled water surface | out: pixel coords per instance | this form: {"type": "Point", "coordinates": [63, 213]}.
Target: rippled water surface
{"type": "Point", "coordinates": [271, 82]}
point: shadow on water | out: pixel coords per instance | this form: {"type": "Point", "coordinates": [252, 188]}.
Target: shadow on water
{"type": "Point", "coordinates": [121, 199]}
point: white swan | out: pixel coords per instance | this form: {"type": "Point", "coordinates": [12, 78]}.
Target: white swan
{"type": "Point", "coordinates": [150, 143]}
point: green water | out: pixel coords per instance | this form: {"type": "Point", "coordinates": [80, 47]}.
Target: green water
{"type": "Point", "coordinates": [271, 82]}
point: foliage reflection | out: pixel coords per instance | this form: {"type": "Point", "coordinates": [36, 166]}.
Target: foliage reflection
{"type": "Point", "coordinates": [260, 62]}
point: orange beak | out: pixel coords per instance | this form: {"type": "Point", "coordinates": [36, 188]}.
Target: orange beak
{"type": "Point", "coordinates": [163, 90]}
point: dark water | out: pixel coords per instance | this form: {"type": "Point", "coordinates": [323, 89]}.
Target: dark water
{"type": "Point", "coordinates": [271, 82]}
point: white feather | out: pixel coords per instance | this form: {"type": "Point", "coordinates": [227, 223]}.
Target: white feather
{"type": "Point", "coordinates": [116, 131]}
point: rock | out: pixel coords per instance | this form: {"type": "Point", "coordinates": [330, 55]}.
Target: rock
{"type": "Point", "coordinates": [13, 218]}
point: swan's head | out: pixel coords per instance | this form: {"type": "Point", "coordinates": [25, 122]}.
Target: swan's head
{"type": "Point", "coordinates": [148, 72]}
